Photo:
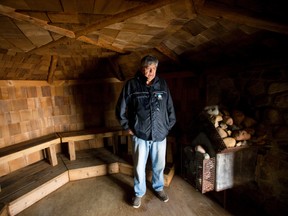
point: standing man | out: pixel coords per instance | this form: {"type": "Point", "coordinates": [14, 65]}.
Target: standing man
{"type": "Point", "coordinates": [145, 109]}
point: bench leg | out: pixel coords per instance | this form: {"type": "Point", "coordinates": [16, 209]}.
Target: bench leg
{"type": "Point", "coordinates": [71, 149]}
{"type": "Point", "coordinates": [52, 155]}
{"type": "Point", "coordinates": [130, 144]}
{"type": "Point", "coordinates": [115, 144]}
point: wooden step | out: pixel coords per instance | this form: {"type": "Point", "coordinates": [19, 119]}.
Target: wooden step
{"type": "Point", "coordinates": [28, 185]}
{"type": "Point", "coordinates": [92, 163]}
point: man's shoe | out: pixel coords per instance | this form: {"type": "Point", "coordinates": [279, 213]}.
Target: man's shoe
{"type": "Point", "coordinates": [162, 196]}
{"type": "Point", "coordinates": [136, 202]}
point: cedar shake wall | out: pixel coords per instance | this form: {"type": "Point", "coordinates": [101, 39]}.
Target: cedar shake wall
{"type": "Point", "coordinates": [29, 109]}
{"type": "Point", "coordinates": [34, 108]}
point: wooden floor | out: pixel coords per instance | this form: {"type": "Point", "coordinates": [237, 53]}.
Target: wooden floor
{"type": "Point", "coordinates": [91, 193]}
{"type": "Point", "coordinates": [111, 195]}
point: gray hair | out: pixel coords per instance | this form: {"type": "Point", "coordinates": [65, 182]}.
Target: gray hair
{"type": "Point", "coordinates": [148, 60]}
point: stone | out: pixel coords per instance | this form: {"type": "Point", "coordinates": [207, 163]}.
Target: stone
{"type": "Point", "coordinates": [273, 116]}
{"type": "Point", "coordinates": [257, 88]}
{"type": "Point", "coordinates": [281, 132]}
{"type": "Point", "coordinates": [281, 100]}
{"type": "Point", "coordinates": [278, 88]}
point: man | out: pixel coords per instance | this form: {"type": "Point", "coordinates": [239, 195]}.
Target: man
{"type": "Point", "coordinates": [145, 109]}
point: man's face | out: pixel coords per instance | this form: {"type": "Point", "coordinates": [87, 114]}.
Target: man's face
{"type": "Point", "coordinates": [149, 72]}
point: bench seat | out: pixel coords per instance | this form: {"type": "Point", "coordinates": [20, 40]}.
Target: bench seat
{"type": "Point", "coordinates": [46, 142]}
{"type": "Point", "coordinates": [23, 187]}
{"type": "Point", "coordinates": [73, 136]}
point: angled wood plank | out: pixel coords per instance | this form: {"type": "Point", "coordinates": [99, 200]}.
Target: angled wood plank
{"type": "Point", "coordinates": [51, 5]}
{"type": "Point", "coordinates": [38, 36]}
{"type": "Point", "coordinates": [52, 68]}
{"type": "Point", "coordinates": [28, 199]}
{"type": "Point", "coordinates": [120, 17]}
{"type": "Point", "coordinates": [168, 52]}
{"type": "Point", "coordinates": [69, 5]}
{"type": "Point", "coordinates": [49, 45]}
{"type": "Point", "coordinates": [197, 5]}
{"type": "Point", "coordinates": [220, 12]}
{"type": "Point", "coordinates": [10, 12]}
{"type": "Point", "coordinates": [97, 43]}
{"type": "Point", "coordinates": [108, 20]}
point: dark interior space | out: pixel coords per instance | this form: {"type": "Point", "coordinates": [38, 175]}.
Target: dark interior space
{"type": "Point", "coordinates": [63, 65]}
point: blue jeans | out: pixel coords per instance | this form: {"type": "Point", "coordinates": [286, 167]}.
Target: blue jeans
{"type": "Point", "coordinates": [141, 150]}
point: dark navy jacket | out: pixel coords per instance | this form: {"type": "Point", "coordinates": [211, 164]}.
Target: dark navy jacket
{"type": "Point", "coordinates": [146, 110]}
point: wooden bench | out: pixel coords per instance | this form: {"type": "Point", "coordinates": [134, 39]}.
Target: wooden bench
{"type": "Point", "coordinates": [74, 136]}
{"type": "Point", "coordinates": [22, 188]}
{"type": "Point", "coordinates": [46, 143]}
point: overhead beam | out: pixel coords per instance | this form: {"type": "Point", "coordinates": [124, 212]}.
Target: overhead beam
{"type": "Point", "coordinates": [219, 11]}
{"type": "Point", "coordinates": [11, 12]}
{"type": "Point", "coordinates": [52, 68]}
{"type": "Point", "coordinates": [109, 20]}
{"type": "Point", "coordinates": [167, 52]}
{"type": "Point", "coordinates": [96, 42]}
{"type": "Point", "coordinates": [122, 16]}
{"type": "Point", "coordinates": [197, 5]}
{"type": "Point", "coordinates": [48, 45]}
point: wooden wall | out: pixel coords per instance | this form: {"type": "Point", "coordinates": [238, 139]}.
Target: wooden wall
{"type": "Point", "coordinates": [30, 109]}
{"type": "Point", "coordinates": [188, 92]}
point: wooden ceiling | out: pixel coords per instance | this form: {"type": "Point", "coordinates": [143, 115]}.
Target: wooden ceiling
{"type": "Point", "coordinates": [84, 39]}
